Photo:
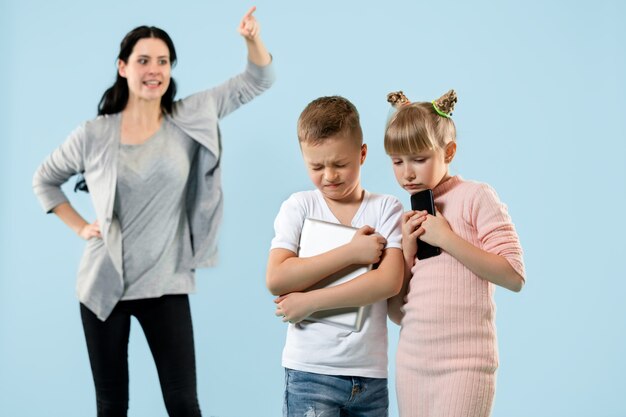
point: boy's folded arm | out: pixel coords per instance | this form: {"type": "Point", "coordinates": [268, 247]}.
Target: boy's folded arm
{"type": "Point", "coordinates": [375, 285]}
{"type": "Point", "coordinates": [287, 273]}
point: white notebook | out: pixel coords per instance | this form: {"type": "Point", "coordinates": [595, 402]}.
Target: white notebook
{"type": "Point", "coordinates": [318, 237]}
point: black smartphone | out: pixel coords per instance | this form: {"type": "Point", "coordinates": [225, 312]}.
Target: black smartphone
{"type": "Point", "coordinates": [424, 200]}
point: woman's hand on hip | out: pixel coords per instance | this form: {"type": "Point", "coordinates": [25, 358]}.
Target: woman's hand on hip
{"type": "Point", "coordinates": [90, 230]}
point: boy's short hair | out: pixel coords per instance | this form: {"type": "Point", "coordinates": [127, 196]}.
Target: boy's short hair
{"type": "Point", "coordinates": [328, 117]}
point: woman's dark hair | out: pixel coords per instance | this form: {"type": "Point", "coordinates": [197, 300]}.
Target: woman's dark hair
{"type": "Point", "coordinates": [115, 98]}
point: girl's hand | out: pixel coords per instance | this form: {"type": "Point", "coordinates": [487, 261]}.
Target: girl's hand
{"type": "Point", "coordinates": [90, 230]}
{"type": "Point", "coordinates": [367, 246]}
{"type": "Point", "coordinates": [435, 230]}
{"type": "Point", "coordinates": [411, 221]}
{"type": "Point", "coordinates": [249, 28]}
{"type": "Point", "coordinates": [293, 307]}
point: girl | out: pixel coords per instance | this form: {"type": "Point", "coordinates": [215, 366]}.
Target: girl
{"type": "Point", "coordinates": [447, 354]}
{"type": "Point", "coordinates": [152, 167]}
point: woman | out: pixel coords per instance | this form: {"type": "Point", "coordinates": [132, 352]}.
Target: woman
{"type": "Point", "coordinates": [151, 165]}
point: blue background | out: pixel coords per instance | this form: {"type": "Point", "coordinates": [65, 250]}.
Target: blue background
{"type": "Point", "coordinates": [540, 117]}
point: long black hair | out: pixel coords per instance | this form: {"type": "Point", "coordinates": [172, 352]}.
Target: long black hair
{"type": "Point", "coordinates": [115, 98]}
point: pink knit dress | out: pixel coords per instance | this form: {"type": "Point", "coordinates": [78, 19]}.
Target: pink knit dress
{"type": "Point", "coordinates": [447, 354]}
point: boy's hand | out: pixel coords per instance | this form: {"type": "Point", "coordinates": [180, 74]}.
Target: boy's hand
{"type": "Point", "coordinates": [249, 28]}
{"type": "Point", "coordinates": [294, 307]}
{"type": "Point", "coordinates": [435, 230]}
{"type": "Point", "coordinates": [367, 246]}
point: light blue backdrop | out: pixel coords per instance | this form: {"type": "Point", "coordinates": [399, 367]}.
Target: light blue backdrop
{"type": "Point", "coordinates": [540, 117]}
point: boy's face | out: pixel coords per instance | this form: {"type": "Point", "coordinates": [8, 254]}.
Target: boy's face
{"type": "Point", "coordinates": [334, 166]}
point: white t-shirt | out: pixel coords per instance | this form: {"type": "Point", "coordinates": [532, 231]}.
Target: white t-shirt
{"type": "Point", "coordinates": [322, 348]}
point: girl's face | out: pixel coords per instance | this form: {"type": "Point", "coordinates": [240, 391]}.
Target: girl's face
{"type": "Point", "coordinates": [148, 69]}
{"type": "Point", "coordinates": [424, 170]}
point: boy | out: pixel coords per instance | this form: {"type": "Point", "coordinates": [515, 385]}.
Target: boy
{"type": "Point", "coordinates": [329, 369]}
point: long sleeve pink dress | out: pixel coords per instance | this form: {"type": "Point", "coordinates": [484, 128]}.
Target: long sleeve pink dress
{"type": "Point", "coordinates": [447, 354]}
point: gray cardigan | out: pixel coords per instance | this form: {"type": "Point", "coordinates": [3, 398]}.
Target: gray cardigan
{"type": "Point", "coordinates": [93, 149]}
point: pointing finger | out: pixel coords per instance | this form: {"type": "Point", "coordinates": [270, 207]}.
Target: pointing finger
{"type": "Point", "coordinates": [249, 13]}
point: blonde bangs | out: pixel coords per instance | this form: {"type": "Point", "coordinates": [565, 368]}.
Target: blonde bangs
{"type": "Point", "coordinates": [409, 132]}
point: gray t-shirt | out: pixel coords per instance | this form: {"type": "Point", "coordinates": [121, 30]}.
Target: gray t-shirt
{"type": "Point", "coordinates": [150, 206]}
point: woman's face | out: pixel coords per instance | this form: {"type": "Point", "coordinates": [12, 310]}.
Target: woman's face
{"type": "Point", "coordinates": [148, 70]}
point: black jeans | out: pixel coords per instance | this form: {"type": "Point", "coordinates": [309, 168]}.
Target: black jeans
{"type": "Point", "coordinates": [166, 322]}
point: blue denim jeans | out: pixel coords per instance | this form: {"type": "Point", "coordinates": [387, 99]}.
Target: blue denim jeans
{"type": "Point", "coordinates": [316, 395]}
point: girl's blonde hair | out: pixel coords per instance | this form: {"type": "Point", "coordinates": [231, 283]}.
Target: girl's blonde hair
{"type": "Point", "coordinates": [416, 127]}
